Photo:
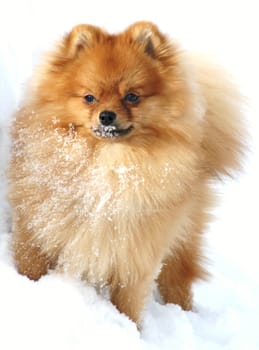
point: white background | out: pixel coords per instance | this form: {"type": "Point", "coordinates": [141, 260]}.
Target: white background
{"type": "Point", "coordinates": [58, 314]}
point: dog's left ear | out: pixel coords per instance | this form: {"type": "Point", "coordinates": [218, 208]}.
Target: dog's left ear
{"type": "Point", "coordinates": [147, 35]}
{"type": "Point", "coordinates": [81, 37]}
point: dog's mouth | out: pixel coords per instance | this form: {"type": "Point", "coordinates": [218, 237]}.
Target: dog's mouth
{"type": "Point", "coordinates": [111, 131]}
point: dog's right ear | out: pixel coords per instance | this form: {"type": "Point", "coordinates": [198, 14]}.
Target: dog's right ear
{"type": "Point", "coordinates": [147, 36]}
{"type": "Point", "coordinates": [81, 37]}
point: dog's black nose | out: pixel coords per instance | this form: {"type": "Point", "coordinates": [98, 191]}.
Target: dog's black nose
{"type": "Point", "coordinates": [107, 117]}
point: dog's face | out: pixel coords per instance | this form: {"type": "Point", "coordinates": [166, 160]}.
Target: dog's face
{"type": "Point", "coordinates": [117, 87]}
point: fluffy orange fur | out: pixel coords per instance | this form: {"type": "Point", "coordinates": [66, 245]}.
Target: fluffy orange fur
{"type": "Point", "coordinates": [126, 204]}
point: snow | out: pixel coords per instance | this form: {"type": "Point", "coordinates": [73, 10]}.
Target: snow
{"type": "Point", "coordinates": [111, 131]}
{"type": "Point", "coordinates": [106, 131]}
{"type": "Point", "coordinates": [58, 313]}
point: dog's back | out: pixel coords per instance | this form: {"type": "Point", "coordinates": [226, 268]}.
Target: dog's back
{"type": "Point", "coordinates": [224, 129]}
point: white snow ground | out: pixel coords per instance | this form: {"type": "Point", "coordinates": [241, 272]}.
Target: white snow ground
{"type": "Point", "coordinates": [56, 313]}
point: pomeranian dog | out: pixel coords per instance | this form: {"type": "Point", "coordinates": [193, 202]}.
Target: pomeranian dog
{"type": "Point", "coordinates": [113, 151]}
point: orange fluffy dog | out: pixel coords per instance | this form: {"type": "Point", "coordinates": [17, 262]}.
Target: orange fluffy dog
{"type": "Point", "coordinates": [113, 151]}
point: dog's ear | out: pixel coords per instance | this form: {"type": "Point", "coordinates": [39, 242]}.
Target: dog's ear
{"type": "Point", "coordinates": [81, 37]}
{"type": "Point", "coordinates": [148, 37]}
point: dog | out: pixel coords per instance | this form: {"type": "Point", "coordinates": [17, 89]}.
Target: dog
{"type": "Point", "coordinates": [113, 151]}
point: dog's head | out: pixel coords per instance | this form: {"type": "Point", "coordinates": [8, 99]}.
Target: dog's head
{"type": "Point", "coordinates": [117, 87]}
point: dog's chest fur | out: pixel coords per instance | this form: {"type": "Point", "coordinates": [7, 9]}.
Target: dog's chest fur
{"type": "Point", "coordinates": [96, 206]}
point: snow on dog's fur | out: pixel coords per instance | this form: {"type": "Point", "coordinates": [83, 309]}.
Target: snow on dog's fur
{"type": "Point", "coordinates": [113, 150]}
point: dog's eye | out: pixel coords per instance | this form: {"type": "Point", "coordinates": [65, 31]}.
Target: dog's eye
{"type": "Point", "coordinates": [132, 98]}
{"type": "Point", "coordinates": [90, 98]}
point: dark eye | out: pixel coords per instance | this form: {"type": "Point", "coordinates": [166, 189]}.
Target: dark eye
{"type": "Point", "coordinates": [132, 98]}
{"type": "Point", "coordinates": [90, 98]}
